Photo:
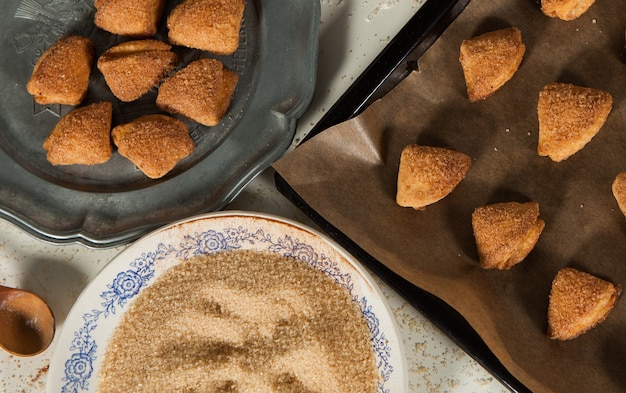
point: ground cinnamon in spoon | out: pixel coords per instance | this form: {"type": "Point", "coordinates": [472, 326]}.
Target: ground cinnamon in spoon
{"type": "Point", "coordinates": [241, 321]}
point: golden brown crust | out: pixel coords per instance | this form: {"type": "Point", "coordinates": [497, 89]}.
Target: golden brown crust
{"type": "Point", "coordinates": [61, 74]}
{"type": "Point", "coordinates": [137, 46]}
{"type": "Point", "coordinates": [565, 9]}
{"type": "Point", "coordinates": [201, 91]}
{"type": "Point", "coordinates": [428, 174]}
{"type": "Point", "coordinates": [569, 117]}
{"type": "Point", "coordinates": [211, 25]}
{"type": "Point", "coordinates": [506, 233]}
{"type": "Point", "coordinates": [82, 136]}
{"type": "Point", "coordinates": [132, 68]}
{"type": "Point", "coordinates": [154, 143]}
{"type": "Point", "coordinates": [578, 302]}
{"type": "Point", "coordinates": [490, 60]}
{"type": "Point", "coordinates": [133, 18]}
{"type": "Point", "coordinates": [619, 191]}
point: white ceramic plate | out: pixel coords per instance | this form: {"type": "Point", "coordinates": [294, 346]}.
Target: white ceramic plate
{"type": "Point", "coordinates": [77, 357]}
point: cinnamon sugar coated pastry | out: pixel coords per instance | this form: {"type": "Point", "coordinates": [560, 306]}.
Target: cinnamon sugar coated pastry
{"type": "Point", "coordinates": [210, 25]}
{"type": "Point", "coordinates": [202, 91]}
{"type": "Point", "coordinates": [506, 233]}
{"type": "Point", "coordinates": [490, 60]}
{"type": "Point", "coordinates": [578, 302]}
{"type": "Point", "coordinates": [619, 191]}
{"type": "Point", "coordinates": [565, 9]}
{"type": "Point", "coordinates": [569, 117]}
{"type": "Point", "coordinates": [428, 174]}
{"type": "Point", "coordinates": [61, 74]}
{"type": "Point", "coordinates": [132, 68]}
{"type": "Point", "coordinates": [83, 136]}
{"type": "Point", "coordinates": [134, 18]}
{"type": "Point", "coordinates": [154, 143]}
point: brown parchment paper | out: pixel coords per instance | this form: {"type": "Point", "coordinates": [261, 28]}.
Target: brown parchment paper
{"type": "Point", "coordinates": [348, 175]}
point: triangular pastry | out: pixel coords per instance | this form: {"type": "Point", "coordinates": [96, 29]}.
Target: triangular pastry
{"type": "Point", "coordinates": [61, 74]}
{"type": "Point", "coordinates": [154, 143]}
{"type": "Point", "coordinates": [428, 174]}
{"type": "Point", "coordinates": [132, 68]}
{"type": "Point", "coordinates": [578, 302]}
{"type": "Point", "coordinates": [565, 9]}
{"type": "Point", "coordinates": [83, 136]}
{"type": "Point", "coordinates": [490, 60]}
{"type": "Point", "coordinates": [210, 25]}
{"type": "Point", "coordinates": [133, 18]}
{"type": "Point", "coordinates": [506, 233]}
{"type": "Point", "coordinates": [202, 91]}
{"type": "Point", "coordinates": [569, 117]}
{"type": "Point", "coordinates": [619, 191]}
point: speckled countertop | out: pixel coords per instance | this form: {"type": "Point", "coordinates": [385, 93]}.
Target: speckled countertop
{"type": "Point", "coordinates": [60, 273]}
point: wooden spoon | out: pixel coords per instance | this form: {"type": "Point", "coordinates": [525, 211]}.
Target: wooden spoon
{"type": "Point", "coordinates": [26, 322]}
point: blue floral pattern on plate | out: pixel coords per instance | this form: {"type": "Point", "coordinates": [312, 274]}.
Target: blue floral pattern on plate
{"type": "Point", "coordinates": [79, 367]}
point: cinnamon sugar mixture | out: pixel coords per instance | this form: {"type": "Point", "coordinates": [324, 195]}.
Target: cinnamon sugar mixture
{"type": "Point", "coordinates": [241, 321]}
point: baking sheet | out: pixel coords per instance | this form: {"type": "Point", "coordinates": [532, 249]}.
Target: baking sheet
{"type": "Point", "coordinates": [347, 174]}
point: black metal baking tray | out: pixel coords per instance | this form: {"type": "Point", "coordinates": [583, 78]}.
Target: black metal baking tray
{"type": "Point", "coordinates": [398, 59]}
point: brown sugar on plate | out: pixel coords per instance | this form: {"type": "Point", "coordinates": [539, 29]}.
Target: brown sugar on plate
{"type": "Point", "coordinates": [578, 302]}
{"type": "Point", "coordinates": [210, 25]}
{"type": "Point", "coordinates": [565, 9]}
{"type": "Point", "coordinates": [61, 74]}
{"type": "Point", "coordinates": [490, 60]}
{"type": "Point", "coordinates": [428, 174]}
{"type": "Point", "coordinates": [133, 18]}
{"type": "Point", "coordinates": [569, 117]}
{"type": "Point", "coordinates": [241, 321]}
{"type": "Point", "coordinates": [154, 143]}
{"type": "Point", "coordinates": [83, 136]}
{"type": "Point", "coordinates": [506, 233]}
{"type": "Point", "coordinates": [132, 68]}
{"type": "Point", "coordinates": [202, 91]}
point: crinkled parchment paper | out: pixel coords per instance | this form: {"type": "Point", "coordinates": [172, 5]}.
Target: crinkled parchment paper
{"type": "Point", "coordinates": [348, 175]}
